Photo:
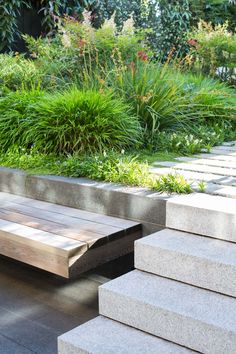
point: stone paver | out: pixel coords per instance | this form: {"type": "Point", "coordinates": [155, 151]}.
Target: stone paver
{"type": "Point", "coordinates": [216, 169]}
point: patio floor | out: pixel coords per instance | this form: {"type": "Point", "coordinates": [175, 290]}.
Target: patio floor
{"type": "Point", "coordinates": [36, 307]}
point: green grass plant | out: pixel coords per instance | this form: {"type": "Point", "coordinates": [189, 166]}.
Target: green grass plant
{"type": "Point", "coordinates": [66, 122]}
{"type": "Point", "coordinates": [15, 111]}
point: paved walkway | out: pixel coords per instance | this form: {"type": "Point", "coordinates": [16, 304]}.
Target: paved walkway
{"type": "Point", "coordinates": [215, 170]}
{"type": "Point", "coordinates": [36, 307]}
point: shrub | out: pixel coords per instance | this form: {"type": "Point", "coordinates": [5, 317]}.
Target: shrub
{"type": "Point", "coordinates": [17, 72]}
{"type": "Point", "coordinates": [164, 98]}
{"type": "Point", "coordinates": [81, 121]}
{"type": "Point", "coordinates": [77, 50]}
{"type": "Point", "coordinates": [155, 98]}
{"type": "Point", "coordinates": [209, 99]}
{"type": "Point", "coordinates": [214, 50]}
{"type": "Point", "coordinates": [201, 137]}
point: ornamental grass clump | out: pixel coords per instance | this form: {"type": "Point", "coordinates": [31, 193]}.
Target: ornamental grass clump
{"type": "Point", "coordinates": [15, 111]}
{"type": "Point", "coordinates": [81, 121]}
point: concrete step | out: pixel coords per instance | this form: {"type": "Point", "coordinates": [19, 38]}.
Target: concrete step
{"type": "Point", "coordinates": [104, 336]}
{"type": "Point", "coordinates": [217, 189]}
{"type": "Point", "coordinates": [199, 319]}
{"type": "Point", "coordinates": [203, 214]}
{"type": "Point", "coordinates": [189, 258]}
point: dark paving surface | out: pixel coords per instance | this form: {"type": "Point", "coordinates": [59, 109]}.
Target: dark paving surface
{"type": "Point", "coordinates": [36, 306]}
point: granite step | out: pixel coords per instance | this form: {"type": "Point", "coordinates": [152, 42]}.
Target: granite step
{"type": "Point", "coordinates": [196, 318]}
{"type": "Point", "coordinates": [203, 214]}
{"type": "Point", "coordinates": [189, 258]}
{"type": "Point", "coordinates": [104, 336]}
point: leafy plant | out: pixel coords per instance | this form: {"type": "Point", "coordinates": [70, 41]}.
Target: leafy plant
{"type": "Point", "coordinates": [172, 183]}
{"type": "Point", "coordinates": [9, 12]}
{"type": "Point", "coordinates": [110, 167]}
{"type": "Point", "coordinates": [201, 137]}
{"type": "Point", "coordinates": [80, 121]}
{"type": "Point", "coordinates": [202, 186]}
{"type": "Point", "coordinates": [172, 27]}
{"type": "Point", "coordinates": [214, 11]}
{"type": "Point", "coordinates": [214, 50]}
{"type": "Point", "coordinates": [17, 72]}
{"type": "Point", "coordinates": [15, 110]}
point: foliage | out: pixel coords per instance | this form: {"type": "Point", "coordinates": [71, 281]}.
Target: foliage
{"type": "Point", "coordinates": [111, 167]}
{"type": "Point", "coordinates": [172, 26]}
{"type": "Point", "coordinates": [9, 11]}
{"type": "Point", "coordinates": [66, 122]}
{"type": "Point", "coordinates": [164, 98]}
{"type": "Point", "coordinates": [214, 11]}
{"type": "Point", "coordinates": [17, 72]}
{"type": "Point", "coordinates": [15, 109]}
{"type": "Point", "coordinates": [214, 50]}
{"type": "Point", "coordinates": [155, 98]}
{"type": "Point", "coordinates": [172, 183]}
{"type": "Point", "coordinates": [202, 137]}
{"type": "Point", "coordinates": [78, 50]}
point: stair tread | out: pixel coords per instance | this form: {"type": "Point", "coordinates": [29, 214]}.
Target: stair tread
{"type": "Point", "coordinates": [193, 259]}
{"type": "Point", "coordinates": [189, 301]}
{"type": "Point", "coordinates": [203, 214]}
{"type": "Point", "coordinates": [196, 318]}
{"type": "Point", "coordinates": [195, 245]}
{"type": "Point", "coordinates": [102, 335]}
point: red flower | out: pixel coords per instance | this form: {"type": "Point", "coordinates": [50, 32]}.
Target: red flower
{"type": "Point", "coordinates": [143, 56]}
{"type": "Point", "coordinates": [192, 42]}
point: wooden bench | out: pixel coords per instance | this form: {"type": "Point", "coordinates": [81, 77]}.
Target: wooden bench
{"type": "Point", "coordinates": [59, 239]}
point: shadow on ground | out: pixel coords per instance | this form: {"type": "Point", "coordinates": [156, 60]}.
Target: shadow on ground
{"type": "Point", "coordinates": [36, 306]}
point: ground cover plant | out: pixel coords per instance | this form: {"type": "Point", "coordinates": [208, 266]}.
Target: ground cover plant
{"type": "Point", "coordinates": [110, 167]}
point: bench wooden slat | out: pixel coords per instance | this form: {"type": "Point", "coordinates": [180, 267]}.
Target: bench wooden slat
{"type": "Point", "coordinates": [59, 239]}
{"type": "Point", "coordinates": [76, 213]}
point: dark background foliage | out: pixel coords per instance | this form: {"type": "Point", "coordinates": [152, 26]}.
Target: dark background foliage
{"type": "Point", "coordinates": [169, 20]}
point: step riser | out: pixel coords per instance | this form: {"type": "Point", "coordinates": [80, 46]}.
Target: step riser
{"type": "Point", "coordinates": [104, 336]}
{"type": "Point", "coordinates": [165, 324]}
{"type": "Point", "coordinates": [189, 269]}
{"type": "Point", "coordinates": [201, 220]}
